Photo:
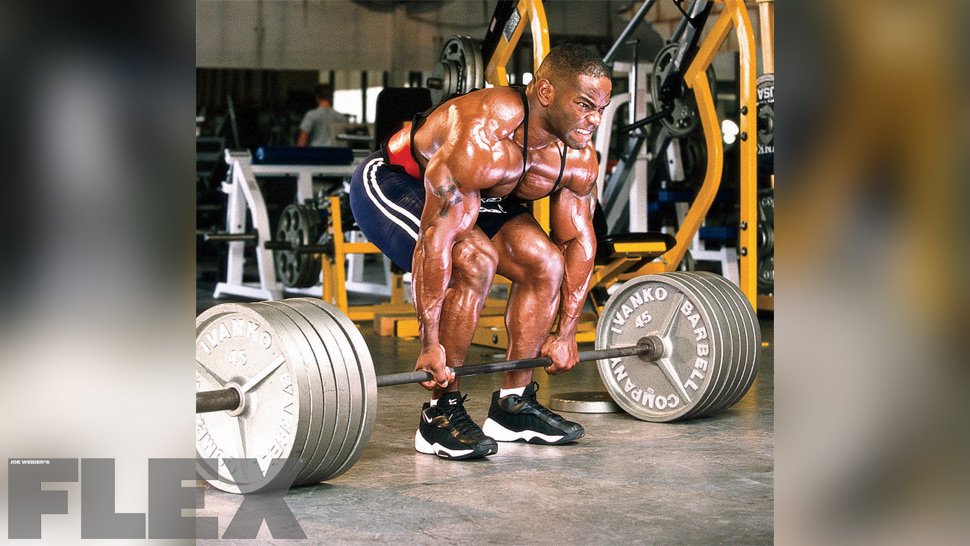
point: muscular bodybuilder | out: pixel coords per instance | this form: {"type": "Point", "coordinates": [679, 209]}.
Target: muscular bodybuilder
{"type": "Point", "coordinates": [444, 198]}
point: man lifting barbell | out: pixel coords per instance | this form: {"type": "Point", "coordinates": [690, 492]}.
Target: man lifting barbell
{"type": "Point", "coordinates": [445, 198]}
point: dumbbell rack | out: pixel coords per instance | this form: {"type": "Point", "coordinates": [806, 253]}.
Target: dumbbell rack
{"type": "Point", "coordinates": [244, 194]}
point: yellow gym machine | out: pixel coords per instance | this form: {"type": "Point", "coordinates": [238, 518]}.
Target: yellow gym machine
{"type": "Point", "coordinates": [630, 255]}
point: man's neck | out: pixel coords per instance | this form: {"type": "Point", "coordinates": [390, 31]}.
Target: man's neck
{"type": "Point", "coordinates": [539, 135]}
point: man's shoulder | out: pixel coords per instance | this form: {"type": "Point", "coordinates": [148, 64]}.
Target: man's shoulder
{"type": "Point", "coordinates": [313, 113]}
{"type": "Point", "coordinates": [331, 113]}
{"type": "Point", "coordinates": [504, 96]}
{"type": "Point", "coordinates": [497, 103]}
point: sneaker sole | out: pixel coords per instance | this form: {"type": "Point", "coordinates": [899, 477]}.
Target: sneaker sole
{"type": "Point", "coordinates": [422, 446]}
{"type": "Point", "coordinates": [497, 432]}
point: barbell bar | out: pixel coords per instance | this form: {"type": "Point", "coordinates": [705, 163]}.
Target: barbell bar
{"type": "Point", "coordinates": [294, 379]}
{"type": "Point", "coordinates": [649, 348]}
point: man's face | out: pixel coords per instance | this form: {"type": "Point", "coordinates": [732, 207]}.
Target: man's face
{"type": "Point", "coordinates": [577, 110]}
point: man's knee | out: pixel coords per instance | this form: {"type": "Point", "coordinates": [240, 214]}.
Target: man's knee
{"type": "Point", "coordinates": [549, 269]}
{"type": "Point", "coordinates": [539, 263]}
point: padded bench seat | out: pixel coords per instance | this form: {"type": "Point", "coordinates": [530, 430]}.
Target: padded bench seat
{"type": "Point", "coordinates": [307, 155]}
{"type": "Point", "coordinates": [648, 245]}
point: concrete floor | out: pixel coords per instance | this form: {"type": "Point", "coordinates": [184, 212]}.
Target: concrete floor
{"type": "Point", "coordinates": [704, 481]}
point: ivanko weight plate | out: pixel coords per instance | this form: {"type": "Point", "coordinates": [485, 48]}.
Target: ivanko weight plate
{"type": "Point", "coordinates": [347, 402]}
{"type": "Point", "coordinates": [358, 360]}
{"type": "Point", "coordinates": [237, 347]}
{"type": "Point", "coordinates": [724, 372]}
{"type": "Point", "coordinates": [323, 425]}
{"type": "Point", "coordinates": [743, 336]}
{"type": "Point", "coordinates": [753, 329]}
{"type": "Point", "coordinates": [314, 393]}
{"type": "Point", "coordinates": [672, 386]}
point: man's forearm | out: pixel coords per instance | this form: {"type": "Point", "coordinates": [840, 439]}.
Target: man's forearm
{"type": "Point", "coordinates": [430, 278]}
{"type": "Point", "coordinates": [578, 257]}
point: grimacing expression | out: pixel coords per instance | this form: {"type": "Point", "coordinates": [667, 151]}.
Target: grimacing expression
{"type": "Point", "coordinates": [578, 109]}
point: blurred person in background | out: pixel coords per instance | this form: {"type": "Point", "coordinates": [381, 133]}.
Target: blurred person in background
{"type": "Point", "coordinates": [315, 129]}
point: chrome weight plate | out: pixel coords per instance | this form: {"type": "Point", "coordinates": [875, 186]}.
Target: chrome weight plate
{"type": "Point", "coordinates": [237, 347]}
{"type": "Point", "coordinates": [671, 387]}
{"type": "Point", "coordinates": [315, 393]}
{"type": "Point", "coordinates": [325, 424]}
{"type": "Point", "coordinates": [734, 328]}
{"type": "Point", "coordinates": [746, 360]}
{"type": "Point", "coordinates": [361, 362]}
{"type": "Point", "coordinates": [753, 328]}
{"type": "Point", "coordinates": [348, 395]}
{"type": "Point", "coordinates": [723, 371]}
{"type": "Point", "coordinates": [334, 424]}
{"type": "Point", "coordinates": [743, 361]}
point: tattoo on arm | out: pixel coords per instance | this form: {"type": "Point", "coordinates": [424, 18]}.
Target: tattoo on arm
{"type": "Point", "coordinates": [450, 194]}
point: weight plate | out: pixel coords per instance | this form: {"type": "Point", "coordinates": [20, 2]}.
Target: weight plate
{"type": "Point", "coordinates": [685, 118]}
{"type": "Point", "coordinates": [733, 360]}
{"type": "Point", "coordinates": [747, 360]}
{"type": "Point", "coordinates": [237, 346]}
{"type": "Point", "coordinates": [584, 402]}
{"type": "Point", "coordinates": [766, 205]}
{"type": "Point", "coordinates": [301, 226]}
{"type": "Point", "coordinates": [743, 363]}
{"type": "Point", "coordinates": [766, 239]}
{"type": "Point", "coordinates": [363, 363]}
{"type": "Point", "coordinates": [765, 87]}
{"type": "Point", "coordinates": [348, 396]}
{"type": "Point", "coordinates": [670, 388]}
{"type": "Point", "coordinates": [314, 228]}
{"type": "Point", "coordinates": [766, 275]}
{"type": "Point", "coordinates": [687, 263]}
{"type": "Point", "coordinates": [302, 237]}
{"type": "Point", "coordinates": [723, 371]}
{"type": "Point", "coordinates": [459, 67]}
{"type": "Point", "coordinates": [475, 67]}
{"type": "Point", "coordinates": [766, 123]}
{"type": "Point", "coordinates": [752, 325]}
{"type": "Point", "coordinates": [326, 422]}
{"type": "Point", "coordinates": [314, 394]}
{"type": "Point", "coordinates": [738, 331]}
{"type": "Point", "coordinates": [335, 451]}
{"type": "Point", "coordinates": [447, 73]}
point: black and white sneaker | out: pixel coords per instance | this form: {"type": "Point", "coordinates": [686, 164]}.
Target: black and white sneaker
{"type": "Point", "coordinates": [521, 419]}
{"type": "Point", "coordinates": [447, 431]}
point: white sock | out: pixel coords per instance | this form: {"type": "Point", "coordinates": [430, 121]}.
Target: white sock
{"type": "Point", "coordinates": [502, 393]}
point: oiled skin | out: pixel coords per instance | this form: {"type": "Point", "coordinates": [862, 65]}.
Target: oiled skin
{"type": "Point", "coordinates": [471, 147]}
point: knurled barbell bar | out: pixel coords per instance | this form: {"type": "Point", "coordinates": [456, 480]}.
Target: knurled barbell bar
{"type": "Point", "coordinates": [649, 348]}
{"type": "Point", "coordinates": [294, 380]}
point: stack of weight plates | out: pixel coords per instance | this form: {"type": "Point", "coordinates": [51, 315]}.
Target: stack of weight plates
{"type": "Point", "coordinates": [309, 391]}
{"type": "Point", "coordinates": [711, 340]}
{"type": "Point", "coordinates": [300, 225]}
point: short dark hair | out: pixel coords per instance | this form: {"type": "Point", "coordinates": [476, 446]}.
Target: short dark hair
{"type": "Point", "coordinates": [324, 91]}
{"type": "Point", "coordinates": [571, 61]}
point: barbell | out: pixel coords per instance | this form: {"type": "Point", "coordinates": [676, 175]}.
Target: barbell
{"type": "Point", "coordinates": [301, 236]}
{"type": "Point", "coordinates": [293, 380]}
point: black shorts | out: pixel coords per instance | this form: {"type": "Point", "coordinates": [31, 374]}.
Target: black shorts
{"type": "Point", "coordinates": [387, 206]}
